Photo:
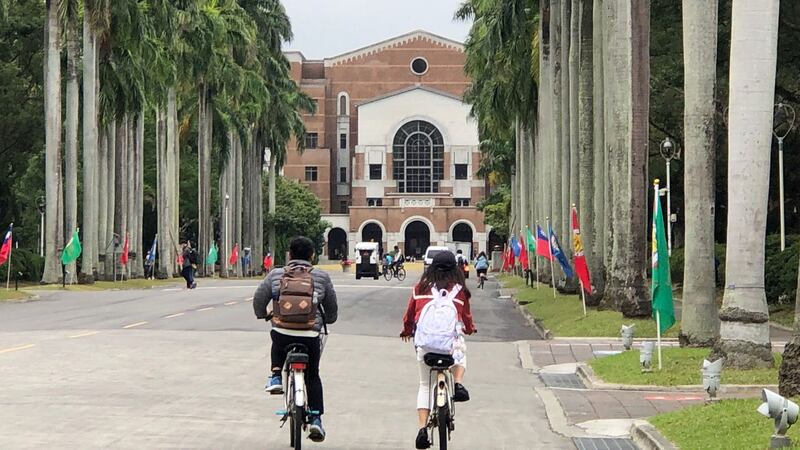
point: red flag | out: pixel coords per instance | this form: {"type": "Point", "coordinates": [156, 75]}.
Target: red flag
{"type": "Point", "coordinates": [123, 258]}
{"type": "Point", "coordinates": [268, 262]}
{"type": "Point", "coordinates": [523, 255]}
{"type": "Point", "coordinates": [234, 255]}
{"type": "Point", "coordinates": [508, 260]}
{"type": "Point", "coordinates": [542, 244]}
{"type": "Point", "coordinates": [580, 260]}
{"type": "Point", "coordinates": [5, 249]}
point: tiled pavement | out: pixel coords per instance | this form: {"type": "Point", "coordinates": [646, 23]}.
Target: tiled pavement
{"type": "Point", "coordinates": [583, 405]}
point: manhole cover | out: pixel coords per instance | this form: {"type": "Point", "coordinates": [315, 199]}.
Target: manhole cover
{"type": "Point", "coordinates": [604, 444]}
{"type": "Point", "coordinates": [562, 380]}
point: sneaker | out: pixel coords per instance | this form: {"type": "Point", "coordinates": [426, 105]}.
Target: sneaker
{"type": "Point", "coordinates": [194, 285]}
{"type": "Point", "coordinates": [461, 393]}
{"type": "Point", "coordinates": [315, 431]}
{"type": "Point", "coordinates": [275, 385]}
{"type": "Point", "coordinates": [422, 438]}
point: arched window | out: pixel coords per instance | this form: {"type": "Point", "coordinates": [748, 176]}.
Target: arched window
{"type": "Point", "coordinates": [418, 157]}
{"type": "Point", "coordinates": [343, 106]}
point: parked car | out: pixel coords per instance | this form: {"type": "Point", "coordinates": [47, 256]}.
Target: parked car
{"type": "Point", "coordinates": [367, 255]}
{"type": "Point", "coordinates": [431, 252]}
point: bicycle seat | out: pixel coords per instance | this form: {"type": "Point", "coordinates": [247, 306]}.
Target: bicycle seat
{"type": "Point", "coordinates": [438, 361]}
{"type": "Point", "coordinates": [297, 358]}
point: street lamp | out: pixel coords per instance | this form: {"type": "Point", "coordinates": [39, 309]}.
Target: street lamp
{"type": "Point", "coordinates": [669, 151]}
{"type": "Point", "coordinates": [783, 122]}
{"type": "Point", "coordinates": [783, 411]}
{"type": "Point", "coordinates": [627, 336]}
{"type": "Point", "coordinates": [711, 372]}
{"type": "Point", "coordinates": [41, 204]}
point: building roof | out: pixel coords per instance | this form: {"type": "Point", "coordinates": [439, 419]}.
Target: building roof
{"type": "Point", "coordinates": [409, 89]}
{"type": "Point", "coordinates": [296, 56]}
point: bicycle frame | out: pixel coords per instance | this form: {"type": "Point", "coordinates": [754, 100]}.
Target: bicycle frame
{"type": "Point", "coordinates": [441, 396]}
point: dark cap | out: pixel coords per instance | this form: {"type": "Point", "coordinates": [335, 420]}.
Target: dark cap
{"type": "Point", "coordinates": [444, 261]}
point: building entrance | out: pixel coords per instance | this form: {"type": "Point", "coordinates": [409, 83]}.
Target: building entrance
{"type": "Point", "coordinates": [417, 239]}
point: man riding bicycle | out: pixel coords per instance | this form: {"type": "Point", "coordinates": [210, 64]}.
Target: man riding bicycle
{"type": "Point", "coordinates": [301, 252]}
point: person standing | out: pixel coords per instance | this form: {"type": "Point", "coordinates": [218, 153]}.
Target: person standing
{"type": "Point", "coordinates": [189, 256]}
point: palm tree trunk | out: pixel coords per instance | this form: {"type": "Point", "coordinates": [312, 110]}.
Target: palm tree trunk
{"type": "Point", "coordinates": [585, 145]}
{"type": "Point", "coordinates": [563, 224]}
{"type": "Point", "coordinates": [273, 174]}
{"type": "Point", "coordinates": [224, 191]}
{"type": "Point", "coordinates": [71, 137]}
{"type": "Point", "coordinates": [102, 201]}
{"type": "Point", "coordinates": [629, 91]}
{"type": "Point", "coordinates": [172, 182]}
{"type": "Point", "coordinates": [598, 143]}
{"type": "Point", "coordinates": [556, 79]}
{"type": "Point", "coordinates": [52, 106]}
{"type": "Point", "coordinates": [699, 320]}
{"type": "Point", "coordinates": [112, 241]}
{"type": "Point", "coordinates": [545, 122]}
{"type": "Point", "coordinates": [205, 232]}
{"type": "Point", "coordinates": [165, 261]}
{"type": "Point", "coordinates": [236, 227]}
{"type": "Point", "coordinates": [130, 187]}
{"type": "Point", "coordinates": [574, 90]}
{"type": "Point", "coordinates": [90, 199]}
{"type": "Point", "coordinates": [121, 165]}
{"type": "Point", "coordinates": [530, 184]}
{"type": "Point", "coordinates": [744, 328]}
{"type": "Point", "coordinates": [523, 177]}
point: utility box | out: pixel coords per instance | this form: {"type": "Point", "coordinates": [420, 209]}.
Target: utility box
{"type": "Point", "coordinates": [497, 260]}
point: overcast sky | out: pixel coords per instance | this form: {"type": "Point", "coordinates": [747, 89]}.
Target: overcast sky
{"type": "Point", "coordinates": [325, 28]}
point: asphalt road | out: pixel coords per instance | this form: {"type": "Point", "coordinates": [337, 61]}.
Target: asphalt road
{"type": "Point", "coordinates": [170, 368]}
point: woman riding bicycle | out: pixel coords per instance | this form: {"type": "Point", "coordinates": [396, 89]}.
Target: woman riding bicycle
{"type": "Point", "coordinates": [443, 273]}
{"type": "Point", "coordinates": [481, 266]}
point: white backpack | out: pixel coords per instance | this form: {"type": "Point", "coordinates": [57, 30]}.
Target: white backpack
{"type": "Point", "coordinates": [437, 328]}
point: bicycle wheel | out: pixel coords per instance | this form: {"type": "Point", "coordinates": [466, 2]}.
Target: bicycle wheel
{"type": "Point", "coordinates": [297, 427]}
{"type": "Point", "coordinates": [387, 274]}
{"type": "Point", "coordinates": [289, 396]}
{"type": "Point", "coordinates": [401, 274]}
{"type": "Point", "coordinates": [443, 418]}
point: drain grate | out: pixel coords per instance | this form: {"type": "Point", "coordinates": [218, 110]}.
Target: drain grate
{"type": "Point", "coordinates": [555, 380]}
{"type": "Point", "coordinates": [604, 444]}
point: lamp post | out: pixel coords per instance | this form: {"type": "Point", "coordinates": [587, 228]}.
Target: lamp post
{"type": "Point", "coordinates": [784, 115]}
{"type": "Point", "coordinates": [669, 151]}
{"type": "Point", "coordinates": [41, 203]}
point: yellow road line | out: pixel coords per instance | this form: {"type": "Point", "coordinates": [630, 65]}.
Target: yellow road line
{"type": "Point", "coordinates": [204, 309]}
{"type": "Point", "coordinates": [88, 333]}
{"type": "Point", "coordinates": [14, 349]}
{"type": "Point", "coordinates": [174, 315]}
{"type": "Point", "coordinates": [137, 324]}
{"type": "Point", "coordinates": [230, 303]}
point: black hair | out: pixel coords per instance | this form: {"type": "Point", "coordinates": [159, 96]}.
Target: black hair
{"type": "Point", "coordinates": [459, 251]}
{"type": "Point", "coordinates": [302, 248]}
{"type": "Point", "coordinates": [482, 254]}
{"type": "Point", "coordinates": [442, 279]}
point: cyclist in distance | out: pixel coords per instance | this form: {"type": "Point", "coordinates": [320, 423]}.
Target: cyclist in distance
{"type": "Point", "coordinates": [301, 252]}
{"type": "Point", "coordinates": [443, 273]}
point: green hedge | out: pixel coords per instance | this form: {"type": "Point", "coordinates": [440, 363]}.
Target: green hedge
{"type": "Point", "coordinates": [26, 262]}
{"type": "Point", "coordinates": [676, 262]}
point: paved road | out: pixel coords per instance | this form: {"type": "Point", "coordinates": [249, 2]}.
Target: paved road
{"type": "Point", "coordinates": [169, 368]}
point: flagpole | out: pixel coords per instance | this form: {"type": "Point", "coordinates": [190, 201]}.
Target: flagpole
{"type": "Point", "coordinates": [658, 337]}
{"type": "Point", "coordinates": [552, 271]}
{"type": "Point", "coordinates": [10, 251]}
{"type": "Point", "coordinates": [583, 297]}
{"type": "Point", "coordinates": [535, 257]}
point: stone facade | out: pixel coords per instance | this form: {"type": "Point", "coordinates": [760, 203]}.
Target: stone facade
{"type": "Point", "coordinates": [373, 184]}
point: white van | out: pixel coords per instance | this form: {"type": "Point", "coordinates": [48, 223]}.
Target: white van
{"type": "Point", "coordinates": [367, 255]}
{"type": "Point", "coordinates": [431, 252]}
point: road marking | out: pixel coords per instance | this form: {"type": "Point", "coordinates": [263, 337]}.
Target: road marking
{"type": "Point", "coordinates": [174, 315]}
{"type": "Point", "coordinates": [88, 333]}
{"type": "Point", "coordinates": [684, 398]}
{"type": "Point", "coordinates": [249, 299]}
{"type": "Point", "coordinates": [205, 309]}
{"type": "Point", "coordinates": [14, 349]}
{"type": "Point", "coordinates": [137, 324]}
{"type": "Point", "coordinates": [230, 303]}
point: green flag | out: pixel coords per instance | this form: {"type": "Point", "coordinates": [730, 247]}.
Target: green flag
{"type": "Point", "coordinates": [530, 239]}
{"type": "Point", "coordinates": [662, 284]}
{"type": "Point", "coordinates": [212, 255]}
{"type": "Point", "coordinates": [72, 251]}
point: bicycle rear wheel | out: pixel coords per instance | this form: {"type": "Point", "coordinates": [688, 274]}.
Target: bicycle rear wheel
{"type": "Point", "coordinates": [297, 427]}
{"type": "Point", "coordinates": [401, 274]}
{"type": "Point", "coordinates": [443, 418]}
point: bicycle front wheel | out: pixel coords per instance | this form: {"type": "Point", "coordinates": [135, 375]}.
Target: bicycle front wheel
{"type": "Point", "coordinates": [387, 274]}
{"type": "Point", "coordinates": [297, 427]}
{"type": "Point", "coordinates": [443, 417]}
{"type": "Point", "coordinates": [401, 274]}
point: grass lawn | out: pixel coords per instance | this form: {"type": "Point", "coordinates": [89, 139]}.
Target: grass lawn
{"type": "Point", "coordinates": [12, 295]}
{"type": "Point", "coordinates": [680, 366]}
{"type": "Point", "coordinates": [784, 316]}
{"type": "Point", "coordinates": [563, 316]}
{"type": "Point", "coordinates": [723, 425]}
{"type": "Point", "coordinates": [109, 285]}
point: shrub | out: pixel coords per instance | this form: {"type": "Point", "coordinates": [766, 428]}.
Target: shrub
{"type": "Point", "coordinates": [676, 262]}
{"type": "Point", "coordinates": [25, 261]}
{"type": "Point", "coordinates": [780, 270]}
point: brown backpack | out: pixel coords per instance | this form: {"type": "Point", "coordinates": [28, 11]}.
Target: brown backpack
{"type": "Point", "coordinates": [295, 309]}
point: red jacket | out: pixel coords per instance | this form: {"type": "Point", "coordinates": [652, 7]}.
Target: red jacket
{"type": "Point", "coordinates": [418, 301]}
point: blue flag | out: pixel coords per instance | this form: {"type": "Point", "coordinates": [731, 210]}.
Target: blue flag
{"type": "Point", "coordinates": [152, 256]}
{"type": "Point", "coordinates": [515, 246]}
{"type": "Point", "coordinates": [559, 255]}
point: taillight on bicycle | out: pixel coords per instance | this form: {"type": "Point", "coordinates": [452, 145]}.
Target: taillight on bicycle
{"type": "Point", "coordinates": [297, 366]}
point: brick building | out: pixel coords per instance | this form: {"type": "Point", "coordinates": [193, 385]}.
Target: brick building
{"type": "Point", "coordinates": [392, 152]}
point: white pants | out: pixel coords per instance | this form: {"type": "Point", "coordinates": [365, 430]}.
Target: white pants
{"type": "Point", "coordinates": [424, 393]}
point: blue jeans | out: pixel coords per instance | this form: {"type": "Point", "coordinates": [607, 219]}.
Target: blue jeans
{"type": "Point", "coordinates": [188, 274]}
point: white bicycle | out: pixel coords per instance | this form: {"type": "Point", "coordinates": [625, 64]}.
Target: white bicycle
{"type": "Point", "coordinates": [440, 404]}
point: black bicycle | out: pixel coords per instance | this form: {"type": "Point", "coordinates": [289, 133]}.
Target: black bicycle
{"type": "Point", "coordinates": [392, 271]}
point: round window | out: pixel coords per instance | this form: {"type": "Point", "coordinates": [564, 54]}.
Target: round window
{"type": "Point", "coordinates": [419, 66]}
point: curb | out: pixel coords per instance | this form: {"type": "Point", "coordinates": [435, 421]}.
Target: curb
{"type": "Point", "coordinates": [586, 374]}
{"type": "Point", "coordinates": [647, 437]}
{"type": "Point", "coordinates": [537, 324]}
{"type": "Point", "coordinates": [780, 327]}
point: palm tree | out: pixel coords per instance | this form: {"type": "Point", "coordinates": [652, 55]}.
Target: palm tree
{"type": "Point", "coordinates": [585, 144]}
{"type": "Point", "coordinates": [71, 132]}
{"type": "Point", "coordinates": [556, 178]}
{"type": "Point", "coordinates": [744, 328]}
{"type": "Point", "coordinates": [52, 106]}
{"type": "Point", "coordinates": [628, 92]}
{"type": "Point", "coordinates": [699, 321]}
{"type": "Point", "coordinates": [598, 266]}
{"type": "Point", "coordinates": [563, 215]}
